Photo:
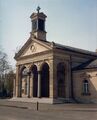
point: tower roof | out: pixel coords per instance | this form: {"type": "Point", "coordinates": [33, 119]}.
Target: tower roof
{"type": "Point", "coordinates": [38, 14]}
{"type": "Point", "coordinates": [41, 15]}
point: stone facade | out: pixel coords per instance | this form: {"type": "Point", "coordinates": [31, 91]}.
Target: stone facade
{"type": "Point", "coordinates": [79, 77]}
{"type": "Point", "coordinates": [52, 71]}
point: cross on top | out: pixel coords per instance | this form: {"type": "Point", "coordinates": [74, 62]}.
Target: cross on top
{"type": "Point", "coordinates": [38, 8]}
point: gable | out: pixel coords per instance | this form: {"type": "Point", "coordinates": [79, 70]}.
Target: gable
{"type": "Point", "coordinates": [33, 48]}
{"type": "Point", "coordinates": [93, 64]}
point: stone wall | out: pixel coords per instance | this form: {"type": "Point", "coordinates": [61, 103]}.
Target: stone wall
{"type": "Point", "coordinates": [78, 78]}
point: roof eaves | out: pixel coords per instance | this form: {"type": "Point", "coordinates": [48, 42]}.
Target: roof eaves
{"type": "Point", "coordinates": [76, 50]}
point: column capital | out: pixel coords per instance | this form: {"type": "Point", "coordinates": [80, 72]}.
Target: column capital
{"type": "Point", "coordinates": [38, 67]}
{"type": "Point", "coordinates": [39, 72]}
{"type": "Point", "coordinates": [17, 66]}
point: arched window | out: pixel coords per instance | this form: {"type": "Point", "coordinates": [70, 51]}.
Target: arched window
{"type": "Point", "coordinates": [85, 87]}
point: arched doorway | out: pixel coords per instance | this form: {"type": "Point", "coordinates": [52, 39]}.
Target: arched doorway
{"type": "Point", "coordinates": [24, 82]}
{"type": "Point", "coordinates": [61, 80]}
{"type": "Point", "coordinates": [45, 80]}
{"type": "Point", "coordinates": [35, 80]}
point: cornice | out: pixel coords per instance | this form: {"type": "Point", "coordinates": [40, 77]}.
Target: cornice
{"type": "Point", "coordinates": [36, 55]}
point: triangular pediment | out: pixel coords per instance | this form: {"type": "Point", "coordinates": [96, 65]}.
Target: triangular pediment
{"type": "Point", "coordinates": [32, 47]}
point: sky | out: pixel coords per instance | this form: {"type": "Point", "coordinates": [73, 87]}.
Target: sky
{"type": "Point", "coordinates": [69, 22]}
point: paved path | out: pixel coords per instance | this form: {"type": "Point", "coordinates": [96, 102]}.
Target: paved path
{"type": "Point", "coordinates": [27, 111]}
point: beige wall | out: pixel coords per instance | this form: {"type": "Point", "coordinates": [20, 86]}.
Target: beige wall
{"type": "Point", "coordinates": [91, 76]}
{"type": "Point", "coordinates": [53, 57]}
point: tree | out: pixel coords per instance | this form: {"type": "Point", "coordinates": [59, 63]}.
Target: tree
{"type": "Point", "coordinates": [5, 69]}
{"type": "Point", "coordinates": [9, 83]}
{"type": "Point", "coordinates": [4, 65]}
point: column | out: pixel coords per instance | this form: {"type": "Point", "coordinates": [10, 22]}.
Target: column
{"type": "Point", "coordinates": [28, 84]}
{"type": "Point", "coordinates": [39, 85]}
{"type": "Point", "coordinates": [20, 85]}
{"type": "Point", "coordinates": [31, 85]}
{"type": "Point", "coordinates": [68, 80]}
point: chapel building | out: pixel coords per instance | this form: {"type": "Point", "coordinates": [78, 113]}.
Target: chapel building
{"type": "Point", "coordinates": [49, 72]}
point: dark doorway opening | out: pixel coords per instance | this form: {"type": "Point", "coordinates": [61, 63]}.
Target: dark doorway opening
{"type": "Point", "coordinates": [45, 80]}
{"type": "Point", "coordinates": [35, 80]}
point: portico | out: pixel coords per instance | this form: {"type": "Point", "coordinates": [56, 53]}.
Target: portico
{"type": "Point", "coordinates": [37, 81]}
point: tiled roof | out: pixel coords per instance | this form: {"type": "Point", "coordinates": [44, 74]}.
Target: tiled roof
{"type": "Point", "coordinates": [92, 63]}
{"type": "Point", "coordinates": [73, 49]}
{"type": "Point", "coordinates": [69, 48]}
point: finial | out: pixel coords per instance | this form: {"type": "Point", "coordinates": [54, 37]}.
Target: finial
{"type": "Point", "coordinates": [52, 44]}
{"type": "Point", "coordinates": [38, 8]}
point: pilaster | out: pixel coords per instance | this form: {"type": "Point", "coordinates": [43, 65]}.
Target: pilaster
{"type": "Point", "coordinates": [17, 82]}
{"type": "Point", "coordinates": [68, 80]}
{"type": "Point", "coordinates": [53, 83]}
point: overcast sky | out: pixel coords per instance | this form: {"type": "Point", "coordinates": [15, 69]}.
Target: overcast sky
{"type": "Point", "coordinates": [69, 22]}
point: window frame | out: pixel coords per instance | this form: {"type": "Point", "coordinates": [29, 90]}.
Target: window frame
{"type": "Point", "coordinates": [85, 87]}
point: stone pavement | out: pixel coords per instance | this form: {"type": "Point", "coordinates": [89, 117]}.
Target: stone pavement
{"type": "Point", "coordinates": [9, 113]}
{"type": "Point", "coordinates": [55, 107]}
{"type": "Point", "coordinates": [12, 110]}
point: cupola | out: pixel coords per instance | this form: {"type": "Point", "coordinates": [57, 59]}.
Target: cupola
{"type": "Point", "coordinates": [38, 24]}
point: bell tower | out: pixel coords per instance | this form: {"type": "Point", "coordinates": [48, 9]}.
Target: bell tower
{"type": "Point", "coordinates": [38, 24]}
